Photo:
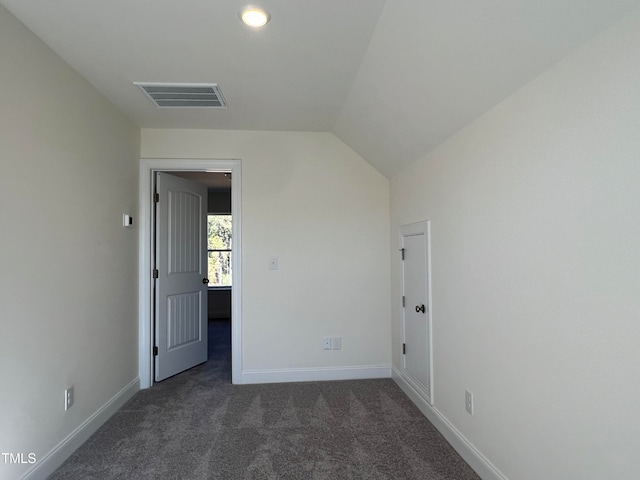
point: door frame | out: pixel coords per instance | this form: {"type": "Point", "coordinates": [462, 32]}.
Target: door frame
{"type": "Point", "coordinates": [146, 334]}
{"type": "Point", "coordinates": [412, 229]}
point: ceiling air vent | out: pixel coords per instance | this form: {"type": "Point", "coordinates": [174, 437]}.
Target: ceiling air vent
{"type": "Point", "coordinates": [179, 95]}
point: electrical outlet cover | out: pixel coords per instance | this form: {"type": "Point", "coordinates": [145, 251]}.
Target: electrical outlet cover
{"type": "Point", "coordinates": [468, 402]}
{"type": "Point", "coordinates": [68, 398]}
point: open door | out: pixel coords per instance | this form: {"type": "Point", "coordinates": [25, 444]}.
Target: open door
{"type": "Point", "coordinates": [181, 271]}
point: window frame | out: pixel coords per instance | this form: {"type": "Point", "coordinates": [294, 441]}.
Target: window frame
{"type": "Point", "coordinates": [229, 250]}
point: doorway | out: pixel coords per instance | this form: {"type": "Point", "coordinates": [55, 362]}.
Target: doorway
{"type": "Point", "coordinates": [148, 168]}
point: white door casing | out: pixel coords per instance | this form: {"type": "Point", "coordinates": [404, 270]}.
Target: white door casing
{"type": "Point", "coordinates": [417, 364]}
{"type": "Point", "coordinates": [148, 167]}
{"type": "Point", "coordinates": [181, 286]}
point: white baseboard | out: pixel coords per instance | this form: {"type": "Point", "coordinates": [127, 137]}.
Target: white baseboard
{"type": "Point", "coordinates": [316, 374]}
{"type": "Point", "coordinates": [476, 460]}
{"type": "Point", "coordinates": [56, 457]}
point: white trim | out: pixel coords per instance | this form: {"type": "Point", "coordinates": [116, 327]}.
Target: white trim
{"type": "Point", "coordinates": [316, 374]}
{"type": "Point", "coordinates": [147, 167]}
{"type": "Point", "coordinates": [476, 460]}
{"type": "Point", "coordinates": [46, 465]}
{"type": "Point", "coordinates": [430, 326]}
{"type": "Point", "coordinates": [416, 228]}
{"type": "Point", "coordinates": [416, 385]}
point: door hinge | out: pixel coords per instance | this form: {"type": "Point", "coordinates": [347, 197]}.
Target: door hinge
{"type": "Point", "coordinates": [402, 253]}
{"type": "Point", "coordinates": [155, 273]}
{"type": "Point", "coordinates": [403, 301]}
{"type": "Point", "coordinates": [156, 197]}
{"type": "Point", "coordinates": [155, 351]}
{"type": "Point", "coordinates": [404, 348]}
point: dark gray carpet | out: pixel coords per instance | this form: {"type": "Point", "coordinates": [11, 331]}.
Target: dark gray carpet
{"type": "Point", "coordinates": [197, 425]}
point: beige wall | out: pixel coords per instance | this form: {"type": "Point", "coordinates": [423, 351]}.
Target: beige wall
{"type": "Point", "coordinates": [68, 289]}
{"type": "Point", "coordinates": [535, 233]}
{"type": "Point", "coordinates": [324, 212]}
{"type": "Point", "coordinates": [536, 260]}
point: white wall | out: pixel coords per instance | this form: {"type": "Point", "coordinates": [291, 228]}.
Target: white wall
{"type": "Point", "coordinates": [536, 260]}
{"type": "Point", "coordinates": [68, 288]}
{"type": "Point", "coordinates": [324, 212]}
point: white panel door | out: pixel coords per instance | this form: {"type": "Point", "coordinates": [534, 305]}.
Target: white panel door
{"type": "Point", "coordinates": [181, 286]}
{"type": "Point", "coordinates": [416, 366]}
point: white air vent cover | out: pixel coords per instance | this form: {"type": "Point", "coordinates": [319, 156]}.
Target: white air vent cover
{"type": "Point", "coordinates": [179, 95]}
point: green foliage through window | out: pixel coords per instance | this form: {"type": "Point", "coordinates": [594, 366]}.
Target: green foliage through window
{"type": "Point", "coordinates": [219, 247]}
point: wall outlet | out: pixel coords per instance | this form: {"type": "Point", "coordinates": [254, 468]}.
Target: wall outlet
{"type": "Point", "coordinates": [68, 398]}
{"type": "Point", "coordinates": [337, 343]}
{"type": "Point", "coordinates": [468, 402]}
{"type": "Point", "coordinates": [326, 343]}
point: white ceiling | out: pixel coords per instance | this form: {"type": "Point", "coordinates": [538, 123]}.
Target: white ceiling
{"type": "Point", "coordinates": [392, 79]}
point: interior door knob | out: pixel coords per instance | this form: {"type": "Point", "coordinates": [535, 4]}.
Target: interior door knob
{"type": "Point", "coordinates": [420, 308]}
{"type": "Point", "coordinates": [205, 281]}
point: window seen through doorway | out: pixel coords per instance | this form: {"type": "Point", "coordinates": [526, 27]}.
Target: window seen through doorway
{"type": "Point", "coordinates": [219, 250]}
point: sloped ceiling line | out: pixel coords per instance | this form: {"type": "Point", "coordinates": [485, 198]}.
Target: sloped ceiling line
{"type": "Point", "coordinates": [391, 79]}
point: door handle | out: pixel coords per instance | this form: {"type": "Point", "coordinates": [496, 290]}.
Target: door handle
{"type": "Point", "coordinates": [420, 308]}
{"type": "Point", "coordinates": [205, 281]}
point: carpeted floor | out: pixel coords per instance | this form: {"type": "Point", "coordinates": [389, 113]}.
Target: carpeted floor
{"type": "Point", "coordinates": [197, 425]}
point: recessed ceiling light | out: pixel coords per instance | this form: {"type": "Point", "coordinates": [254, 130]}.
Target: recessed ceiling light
{"type": "Point", "coordinates": [254, 16]}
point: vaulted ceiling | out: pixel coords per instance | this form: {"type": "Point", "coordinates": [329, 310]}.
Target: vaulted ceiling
{"type": "Point", "coordinates": [392, 79]}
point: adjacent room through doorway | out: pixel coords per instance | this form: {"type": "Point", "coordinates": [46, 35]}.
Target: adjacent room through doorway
{"type": "Point", "coordinates": [206, 326]}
